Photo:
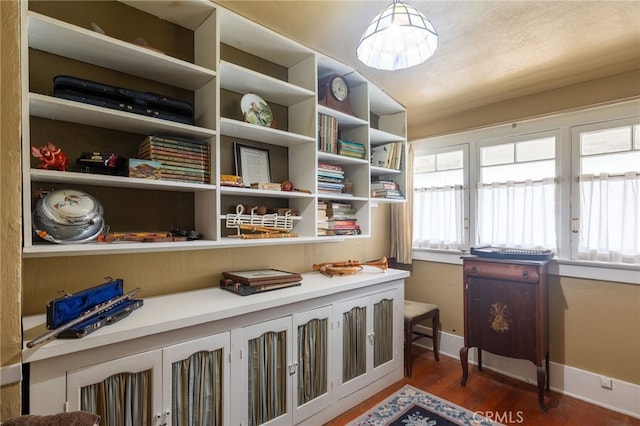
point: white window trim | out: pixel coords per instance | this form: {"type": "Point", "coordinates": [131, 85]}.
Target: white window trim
{"type": "Point", "coordinates": [464, 147]}
{"type": "Point", "coordinates": [562, 264]}
{"type": "Point", "coordinates": [575, 138]}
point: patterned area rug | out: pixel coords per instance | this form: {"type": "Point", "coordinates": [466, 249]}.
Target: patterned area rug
{"type": "Point", "coordinates": [413, 407]}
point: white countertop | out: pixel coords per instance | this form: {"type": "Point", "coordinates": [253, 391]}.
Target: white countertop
{"type": "Point", "coordinates": [178, 310]}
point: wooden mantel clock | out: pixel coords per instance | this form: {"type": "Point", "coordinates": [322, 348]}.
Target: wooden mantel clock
{"type": "Point", "coordinates": [333, 92]}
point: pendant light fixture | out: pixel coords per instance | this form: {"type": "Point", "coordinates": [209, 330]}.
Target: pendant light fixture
{"type": "Point", "coordinates": [398, 37]}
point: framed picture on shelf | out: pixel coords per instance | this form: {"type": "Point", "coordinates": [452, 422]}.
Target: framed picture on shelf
{"type": "Point", "coordinates": [252, 163]}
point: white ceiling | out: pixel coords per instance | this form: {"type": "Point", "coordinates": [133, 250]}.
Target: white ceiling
{"type": "Point", "coordinates": [489, 51]}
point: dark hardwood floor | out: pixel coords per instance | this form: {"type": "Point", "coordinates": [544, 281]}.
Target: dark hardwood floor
{"type": "Point", "coordinates": [508, 400]}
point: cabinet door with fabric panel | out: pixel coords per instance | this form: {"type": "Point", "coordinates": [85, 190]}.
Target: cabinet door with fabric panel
{"type": "Point", "coordinates": [196, 381]}
{"type": "Point", "coordinates": [126, 390]}
{"type": "Point", "coordinates": [368, 346]}
{"type": "Point", "coordinates": [313, 354]}
{"type": "Point", "coordinates": [265, 364]}
{"type": "Point", "coordinates": [182, 384]}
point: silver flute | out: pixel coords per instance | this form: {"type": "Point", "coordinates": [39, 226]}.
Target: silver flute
{"type": "Point", "coordinates": [90, 313]}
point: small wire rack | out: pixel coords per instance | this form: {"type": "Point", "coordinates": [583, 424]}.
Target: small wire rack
{"type": "Point", "coordinates": [240, 221]}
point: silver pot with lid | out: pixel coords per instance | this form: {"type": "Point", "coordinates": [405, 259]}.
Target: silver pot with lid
{"type": "Point", "coordinates": [68, 216]}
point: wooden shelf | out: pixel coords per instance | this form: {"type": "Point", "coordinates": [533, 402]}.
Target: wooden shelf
{"type": "Point", "coordinates": [378, 137]}
{"type": "Point", "coordinates": [242, 130]}
{"type": "Point", "coordinates": [327, 157]}
{"type": "Point", "coordinates": [190, 17]}
{"type": "Point", "coordinates": [381, 171]}
{"type": "Point", "coordinates": [38, 175]}
{"type": "Point", "coordinates": [245, 35]}
{"type": "Point", "coordinates": [60, 38]}
{"type": "Point", "coordinates": [91, 115]}
{"type": "Point", "coordinates": [248, 192]}
{"type": "Point", "coordinates": [242, 80]}
{"type": "Point", "coordinates": [344, 120]}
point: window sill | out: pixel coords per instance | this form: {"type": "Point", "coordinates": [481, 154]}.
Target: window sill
{"type": "Point", "coordinates": [616, 272]}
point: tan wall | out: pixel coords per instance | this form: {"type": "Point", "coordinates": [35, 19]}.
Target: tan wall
{"type": "Point", "coordinates": [10, 222]}
{"type": "Point", "coordinates": [574, 343]}
{"type": "Point", "coordinates": [169, 272]}
{"type": "Point", "coordinates": [593, 324]}
{"type": "Point", "coordinates": [612, 88]}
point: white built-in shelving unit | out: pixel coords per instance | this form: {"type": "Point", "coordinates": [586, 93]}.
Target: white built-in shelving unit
{"type": "Point", "coordinates": [213, 79]}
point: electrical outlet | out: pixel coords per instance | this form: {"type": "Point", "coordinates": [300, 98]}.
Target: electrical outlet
{"type": "Point", "coordinates": [606, 382]}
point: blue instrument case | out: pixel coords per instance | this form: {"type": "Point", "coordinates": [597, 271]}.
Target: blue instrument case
{"type": "Point", "coordinates": [71, 306]}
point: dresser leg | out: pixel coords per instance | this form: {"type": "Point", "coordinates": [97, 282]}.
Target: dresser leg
{"type": "Point", "coordinates": [479, 359]}
{"type": "Point", "coordinates": [464, 360]}
{"type": "Point", "coordinates": [546, 361]}
{"type": "Point", "coordinates": [542, 384]}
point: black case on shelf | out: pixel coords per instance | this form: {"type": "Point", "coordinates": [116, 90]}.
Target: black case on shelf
{"type": "Point", "coordinates": [511, 253]}
{"type": "Point", "coordinates": [71, 306]}
{"type": "Point", "coordinates": [107, 96]}
{"type": "Point", "coordinates": [246, 289]}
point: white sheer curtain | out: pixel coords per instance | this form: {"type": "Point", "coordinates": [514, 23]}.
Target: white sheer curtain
{"type": "Point", "coordinates": [517, 214]}
{"type": "Point", "coordinates": [609, 220]}
{"type": "Point", "coordinates": [402, 220]}
{"type": "Point", "coordinates": [438, 217]}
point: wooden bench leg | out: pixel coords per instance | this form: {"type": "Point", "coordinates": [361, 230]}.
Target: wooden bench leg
{"type": "Point", "coordinates": [408, 343]}
{"type": "Point", "coordinates": [434, 333]}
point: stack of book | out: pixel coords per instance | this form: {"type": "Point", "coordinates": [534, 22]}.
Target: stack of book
{"type": "Point", "coordinates": [388, 156]}
{"type": "Point", "coordinates": [183, 160]}
{"type": "Point", "coordinates": [322, 223]}
{"type": "Point", "coordinates": [246, 283]}
{"type": "Point", "coordinates": [341, 219]}
{"type": "Point", "coordinates": [327, 133]}
{"type": "Point", "coordinates": [382, 188]}
{"type": "Point", "coordinates": [351, 149]}
{"type": "Point", "coordinates": [330, 178]}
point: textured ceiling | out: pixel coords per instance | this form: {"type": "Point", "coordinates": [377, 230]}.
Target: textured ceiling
{"type": "Point", "coordinates": [489, 51]}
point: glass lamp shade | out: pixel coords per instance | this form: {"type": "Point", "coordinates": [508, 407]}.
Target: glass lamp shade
{"type": "Point", "coordinates": [398, 37]}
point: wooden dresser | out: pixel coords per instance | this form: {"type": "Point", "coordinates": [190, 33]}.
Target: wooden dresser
{"type": "Point", "coordinates": [506, 313]}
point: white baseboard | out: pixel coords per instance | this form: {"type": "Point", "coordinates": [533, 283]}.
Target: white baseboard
{"type": "Point", "coordinates": [623, 397]}
{"type": "Point", "coordinates": [10, 374]}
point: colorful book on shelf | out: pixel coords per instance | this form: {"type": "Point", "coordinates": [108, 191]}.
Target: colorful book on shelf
{"type": "Point", "coordinates": [174, 152]}
{"type": "Point", "coordinates": [183, 177]}
{"type": "Point", "coordinates": [341, 224]}
{"type": "Point", "coordinates": [176, 141]}
{"type": "Point", "coordinates": [343, 231]}
{"type": "Point", "coordinates": [327, 166]}
{"type": "Point", "coordinates": [327, 133]}
{"type": "Point", "coordinates": [331, 173]}
{"type": "Point", "coordinates": [187, 164]}
{"type": "Point", "coordinates": [176, 157]}
{"type": "Point", "coordinates": [151, 143]}
{"type": "Point", "coordinates": [384, 184]}
{"type": "Point", "coordinates": [388, 156]}
{"type": "Point", "coordinates": [185, 170]}
{"type": "Point", "coordinates": [334, 206]}
{"type": "Point", "coordinates": [343, 216]}
{"type": "Point", "coordinates": [388, 194]}
{"type": "Point", "coordinates": [351, 149]}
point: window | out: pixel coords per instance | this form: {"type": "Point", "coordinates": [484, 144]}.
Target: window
{"type": "Point", "coordinates": [516, 194]}
{"type": "Point", "coordinates": [438, 206]}
{"type": "Point", "coordinates": [568, 182]}
{"type": "Point", "coordinates": [607, 221]}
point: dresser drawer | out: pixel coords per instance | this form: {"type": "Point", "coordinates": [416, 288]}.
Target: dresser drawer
{"type": "Point", "coordinates": [502, 271]}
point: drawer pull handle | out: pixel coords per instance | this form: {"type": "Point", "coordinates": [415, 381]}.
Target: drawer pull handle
{"type": "Point", "coordinates": [525, 275]}
{"type": "Point", "coordinates": [474, 269]}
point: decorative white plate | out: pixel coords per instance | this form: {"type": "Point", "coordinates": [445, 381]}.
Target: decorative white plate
{"type": "Point", "coordinates": [256, 110]}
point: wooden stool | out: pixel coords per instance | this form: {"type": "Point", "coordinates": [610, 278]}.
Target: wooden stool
{"type": "Point", "coordinates": [414, 314]}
